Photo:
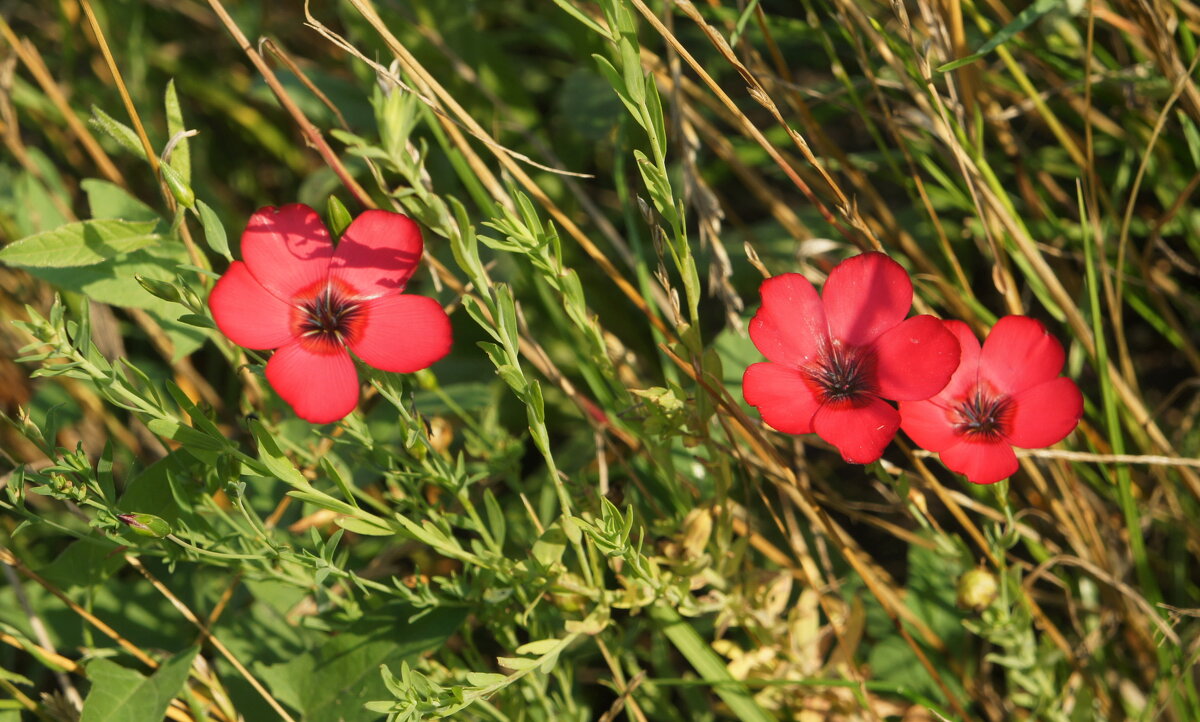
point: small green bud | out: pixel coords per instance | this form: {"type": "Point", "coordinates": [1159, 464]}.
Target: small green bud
{"type": "Point", "coordinates": [161, 289]}
{"type": "Point", "coordinates": [178, 186]}
{"type": "Point", "coordinates": [977, 589]}
{"type": "Point", "coordinates": [146, 524]}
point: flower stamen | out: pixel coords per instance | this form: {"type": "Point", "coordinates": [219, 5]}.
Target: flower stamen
{"type": "Point", "coordinates": [843, 375]}
{"type": "Point", "coordinates": [328, 317]}
{"type": "Point", "coordinates": [983, 417]}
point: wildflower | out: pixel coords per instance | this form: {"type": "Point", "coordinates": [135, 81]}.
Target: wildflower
{"type": "Point", "coordinates": [833, 359]}
{"type": "Point", "coordinates": [295, 293]}
{"type": "Point", "coordinates": [1006, 394]}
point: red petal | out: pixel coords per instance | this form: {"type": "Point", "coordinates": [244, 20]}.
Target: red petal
{"type": "Point", "coordinates": [1019, 353]}
{"type": "Point", "coordinates": [1045, 414]}
{"type": "Point", "coordinates": [402, 333]}
{"type": "Point", "coordinates": [861, 433]}
{"type": "Point", "coordinates": [865, 296]}
{"type": "Point", "coordinates": [789, 327]}
{"type": "Point", "coordinates": [320, 387]}
{"type": "Point", "coordinates": [247, 313]}
{"type": "Point", "coordinates": [782, 396]}
{"type": "Point", "coordinates": [966, 376]}
{"type": "Point", "coordinates": [915, 359]}
{"type": "Point", "coordinates": [287, 249]}
{"type": "Point", "coordinates": [929, 424]}
{"type": "Point", "coordinates": [982, 462]}
{"type": "Point", "coordinates": [378, 253]}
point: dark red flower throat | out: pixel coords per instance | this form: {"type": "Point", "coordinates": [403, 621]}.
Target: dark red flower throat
{"type": "Point", "coordinates": [983, 416]}
{"type": "Point", "coordinates": [328, 318]}
{"type": "Point", "coordinates": [844, 375]}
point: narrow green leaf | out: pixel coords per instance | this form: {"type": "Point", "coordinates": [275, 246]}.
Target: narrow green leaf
{"type": "Point", "coordinates": [185, 435]}
{"type": "Point", "coordinates": [701, 656]}
{"type": "Point", "coordinates": [275, 461]}
{"type": "Point", "coordinates": [538, 648]}
{"type": "Point", "coordinates": [181, 156]}
{"type": "Point", "coordinates": [517, 663]}
{"type": "Point", "coordinates": [118, 131]}
{"type": "Point", "coordinates": [214, 232]}
{"type": "Point", "coordinates": [1024, 19]}
{"type": "Point", "coordinates": [83, 243]}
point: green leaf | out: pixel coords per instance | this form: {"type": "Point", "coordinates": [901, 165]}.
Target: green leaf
{"type": "Point", "coordinates": [214, 232]}
{"type": "Point", "coordinates": [112, 282]}
{"type": "Point", "coordinates": [83, 243]}
{"type": "Point", "coordinates": [485, 679]}
{"type": "Point", "coordinates": [181, 157]}
{"type": "Point", "coordinates": [538, 648]}
{"type": "Point", "coordinates": [332, 682]}
{"type": "Point", "coordinates": [186, 435]}
{"type": "Point", "coordinates": [109, 200]}
{"type": "Point", "coordinates": [275, 461]}
{"type": "Point", "coordinates": [359, 526]}
{"type": "Point", "coordinates": [517, 663]}
{"type": "Point", "coordinates": [708, 664]}
{"type": "Point", "coordinates": [1024, 19]}
{"type": "Point", "coordinates": [85, 563]}
{"type": "Point", "coordinates": [119, 694]}
{"type": "Point", "coordinates": [118, 131]}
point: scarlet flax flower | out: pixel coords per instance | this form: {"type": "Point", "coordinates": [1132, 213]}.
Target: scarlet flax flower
{"type": "Point", "coordinates": [834, 358]}
{"type": "Point", "coordinates": [294, 292]}
{"type": "Point", "coordinates": [1006, 394]}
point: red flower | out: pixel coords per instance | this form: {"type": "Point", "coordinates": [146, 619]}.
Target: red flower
{"type": "Point", "coordinates": [293, 292]}
{"type": "Point", "coordinates": [834, 358]}
{"type": "Point", "coordinates": [1007, 394]}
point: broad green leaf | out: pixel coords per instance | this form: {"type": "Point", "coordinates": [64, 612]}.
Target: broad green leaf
{"type": "Point", "coordinates": [109, 200]}
{"type": "Point", "coordinates": [120, 694]}
{"type": "Point", "coordinates": [155, 489]}
{"type": "Point", "coordinates": [332, 683]}
{"type": "Point", "coordinates": [34, 209]}
{"type": "Point", "coordinates": [82, 243]}
{"type": "Point", "coordinates": [113, 282]}
{"type": "Point", "coordinates": [84, 563]}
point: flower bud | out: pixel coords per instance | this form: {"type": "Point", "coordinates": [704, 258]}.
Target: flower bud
{"type": "Point", "coordinates": [161, 289]}
{"type": "Point", "coordinates": [178, 186]}
{"type": "Point", "coordinates": [977, 589]}
{"type": "Point", "coordinates": [146, 524]}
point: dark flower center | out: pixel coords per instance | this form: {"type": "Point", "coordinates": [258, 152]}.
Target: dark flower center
{"type": "Point", "coordinates": [329, 317]}
{"type": "Point", "coordinates": [843, 375]}
{"type": "Point", "coordinates": [983, 416]}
